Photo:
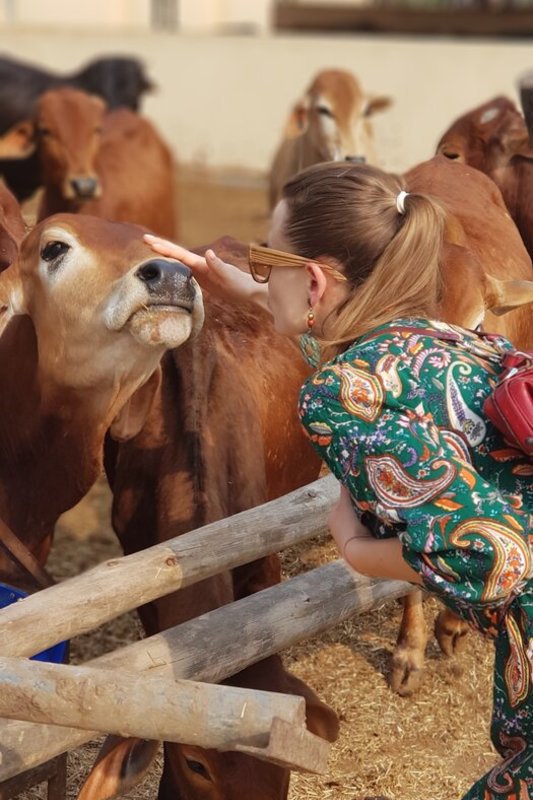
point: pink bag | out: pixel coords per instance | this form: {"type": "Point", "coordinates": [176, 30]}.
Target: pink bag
{"type": "Point", "coordinates": [510, 406]}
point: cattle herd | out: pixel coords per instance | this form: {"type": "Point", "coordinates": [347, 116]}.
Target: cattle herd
{"type": "Point", "coordinates": [116, 359]}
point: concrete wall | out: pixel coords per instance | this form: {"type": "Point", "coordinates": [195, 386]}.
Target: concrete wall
{"type": "Point", "coordinates": [222, 100]}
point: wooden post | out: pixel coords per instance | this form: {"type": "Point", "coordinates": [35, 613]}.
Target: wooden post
{"type": "Point", "coordinates": [81, 604]}
{"type": "Point", "coordinates": [128, 703]}
{"type": "Point", "coordinates": [267, 622]}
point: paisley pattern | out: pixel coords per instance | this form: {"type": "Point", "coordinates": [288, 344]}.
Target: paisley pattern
{"type": "Point", "coordinates": [394, 486]}
{"type": "Point", "coordinates": [399, 420]}
{"type": "Point", "coordinates": [361, 393]}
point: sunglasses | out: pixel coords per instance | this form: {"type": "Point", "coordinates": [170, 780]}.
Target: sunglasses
{"type": "Point", "coordinates": [262, 259]}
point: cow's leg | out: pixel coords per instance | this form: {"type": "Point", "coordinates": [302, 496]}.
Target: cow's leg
{"type": "Point", "coordinates": [408, 657]}
{"type": "Point", "coordinates": [450, 632]}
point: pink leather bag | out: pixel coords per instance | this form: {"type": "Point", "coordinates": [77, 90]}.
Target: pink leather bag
{"type": "Point", "coordinates": [510, 406]}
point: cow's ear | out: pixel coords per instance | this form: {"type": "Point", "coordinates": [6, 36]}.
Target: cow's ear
{"type": "Point", "coordinates": [298, 120]}
{"type": "Point", "coordinates": [320, 718]}
{"type": "Point", "coordinates": [121, 765]}
{"type": "Point", "coordinates": [132, 416]}
{"type": "Point", "coordinates": [9, 249]}
{"type": "Point", "coordinates": [377, 103]}
{"type": "Point", "coordinates": [503, 296]}
{"type": "Point", "coordinates": [19, 141]}
{"type": "Point", "coordinates": [515, 140]}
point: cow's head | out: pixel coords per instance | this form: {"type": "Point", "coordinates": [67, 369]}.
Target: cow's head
{"type": "Point", "coordinates": [67, 131]}
{"type": "Point", "coordinates": [487, 137]}
{"type": "Point", "coordinates": [103, 308]}
{"type": "Point", "coordinates": [335, 111]}
{"type": "Point", "coordinates": [193, 773]}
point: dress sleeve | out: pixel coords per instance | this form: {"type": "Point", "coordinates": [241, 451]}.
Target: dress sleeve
{"type": "Point", "coordinates": [466, 539]}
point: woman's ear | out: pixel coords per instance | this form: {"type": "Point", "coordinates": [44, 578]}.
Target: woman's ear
{"type": "Point", "coordinates": [317, 283]}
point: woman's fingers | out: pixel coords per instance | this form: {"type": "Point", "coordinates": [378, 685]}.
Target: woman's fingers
{"type": "Point", "coordinates": [172, 250]}
{"type": "Point", "coordinates": [213, 274]}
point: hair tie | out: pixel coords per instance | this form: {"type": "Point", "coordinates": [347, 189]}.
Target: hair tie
{"type": "Point", "coordinates": [400, 202]}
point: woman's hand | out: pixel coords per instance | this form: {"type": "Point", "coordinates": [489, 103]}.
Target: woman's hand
{"type": "Point", "coordinates": [344, 524]}
{"type": "Point", "coordinates": [212, 273]}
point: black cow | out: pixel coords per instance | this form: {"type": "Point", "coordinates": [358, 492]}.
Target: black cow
{"type": "Point", "coordinates": [120, 80]}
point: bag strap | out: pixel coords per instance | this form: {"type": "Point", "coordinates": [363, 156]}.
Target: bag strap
{"type": "Point", "coordinates": [23, 558]}
{"type": "Point", "coordinates": [451, 336]}
{"type": "Point", "coordinates": [436, 334]}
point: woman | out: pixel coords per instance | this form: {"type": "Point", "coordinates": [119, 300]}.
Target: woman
{"type": "Point", "coordinates": [396, 412]}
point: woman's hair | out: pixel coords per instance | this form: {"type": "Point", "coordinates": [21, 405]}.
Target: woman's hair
{"type": "Point", "coordinates": [391, 259]}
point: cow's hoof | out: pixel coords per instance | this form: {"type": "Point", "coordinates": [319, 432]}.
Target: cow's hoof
{"type": "Point", "coordinates": [406, 673]}
{"type": "Point", "coordinates": [450, 633]}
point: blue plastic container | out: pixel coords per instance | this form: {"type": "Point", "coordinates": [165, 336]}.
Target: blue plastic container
{"type": "Point", "coordinates": [56, 654]}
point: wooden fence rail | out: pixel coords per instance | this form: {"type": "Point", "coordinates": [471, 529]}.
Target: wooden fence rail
{"type": "Point", "coordinates": [128, 703]}
{"type": "Point", "coordinates": [81, 604]}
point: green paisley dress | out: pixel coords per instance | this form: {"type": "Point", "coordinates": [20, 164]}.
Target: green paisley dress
{"type": "Point", "coordinates": [398, 418]}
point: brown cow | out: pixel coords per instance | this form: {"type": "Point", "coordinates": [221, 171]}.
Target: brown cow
{"type": "Point", "coordinates": [86, 313]}
{"type": "Point", "coordinates": [330, 123]}
{"type": "Point", "coordinates": [113, 165]}
{"type": "Point", "coordinates": [482, 249]}
{"type": "Point", "coordinates": [221, 436]}
{"type": "Point", "coordinates": [494, 139]}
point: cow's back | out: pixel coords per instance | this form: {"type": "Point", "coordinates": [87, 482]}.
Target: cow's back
{"type": "Point", "coordinates": [481, 239]}
{"type": "Point", "coordinates": [138, 175]}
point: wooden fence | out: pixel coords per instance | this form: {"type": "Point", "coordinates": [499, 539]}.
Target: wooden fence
{"type": "Point", "coordinates": [54, 708]}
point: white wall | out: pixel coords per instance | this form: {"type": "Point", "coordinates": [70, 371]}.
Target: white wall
{"type": "Point", "coordinates": [75, 13]}
{"type": "Point", "coordinates": [223, 100]}
{"type": "Point", "coordinates": [191, 15]}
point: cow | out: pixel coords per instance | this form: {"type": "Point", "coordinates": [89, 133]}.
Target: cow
{"type": "Point", "coordinates": [494, 138]}
{"type": "Point", "coordinates": [220, 436]}
{"type": "Point", "coordinates": [331, 122]}
{"type": "Point", "coordinates": [107, 164]}
{"type": "Point", "coordinates": [86, 312]}
{"type": "Point", "coordinates": [119, 80]}
{"type": "Point", "coordinates": [482, 252]}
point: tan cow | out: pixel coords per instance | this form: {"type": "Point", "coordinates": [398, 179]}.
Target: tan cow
{"type": "Point", "coordinates": [221, 435]}
{"type": "Point", "coordinates": [331, 122]}
{"type": "Point", "coordinates": [494, 139]}
{"type": "Point", "coordinates": [113, 165]}
{"type": "Point", "coordinates": [86, 313]}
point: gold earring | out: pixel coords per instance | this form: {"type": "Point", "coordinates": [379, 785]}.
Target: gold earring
{"type": "Point", "coordinates": [308, 343]}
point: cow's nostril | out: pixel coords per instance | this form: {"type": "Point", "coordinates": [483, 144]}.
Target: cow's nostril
{"type": "Point", "coordinates": [149, 272]}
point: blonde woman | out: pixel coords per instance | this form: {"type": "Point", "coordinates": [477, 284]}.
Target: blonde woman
{"type": "Point", "coordinates": [395, 409]}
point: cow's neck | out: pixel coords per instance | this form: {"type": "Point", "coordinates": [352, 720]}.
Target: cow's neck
{"type": "Point", "coordinates": [49, 458]}
{"type": "Point", "coordinates": [53, 202]}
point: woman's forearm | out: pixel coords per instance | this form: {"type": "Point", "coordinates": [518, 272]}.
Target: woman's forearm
{"type": "Point", "coordinates": [379, 558]}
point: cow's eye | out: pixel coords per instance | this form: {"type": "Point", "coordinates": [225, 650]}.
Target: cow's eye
{"type": "Point", "coordinates": [198, 768]}
{"type": "Point", "coordinates": [43, 131]}
{"type": "Point", "coordinates": [325, 111]}
{"type": "Point", "coordinates": [53, 250]}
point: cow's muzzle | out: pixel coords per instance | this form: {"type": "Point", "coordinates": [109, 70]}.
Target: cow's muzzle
{"type": "Point", "coordinates": [168, 283]}
{"type": "Point", "coordinates": [85, 188]}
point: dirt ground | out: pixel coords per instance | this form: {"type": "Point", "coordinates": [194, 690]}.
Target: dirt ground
{"type": "Point", "coordinates": [432, 745]}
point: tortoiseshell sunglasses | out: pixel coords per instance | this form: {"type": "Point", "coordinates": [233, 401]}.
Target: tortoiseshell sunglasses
{"type": "Point", "coordinates": [262, 259]}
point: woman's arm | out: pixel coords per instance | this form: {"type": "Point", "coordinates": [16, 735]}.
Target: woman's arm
{"type": "Point", "coordinates": [377, 558]}
{"type": "Point", "coordinates": [466, 539]}
{"type": "Point", "coordinates": [213, 274]}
